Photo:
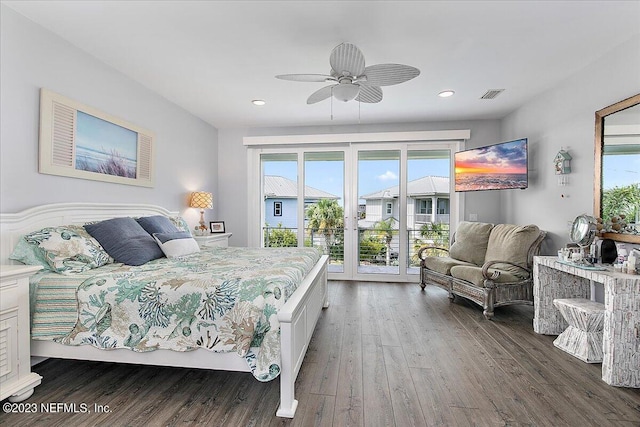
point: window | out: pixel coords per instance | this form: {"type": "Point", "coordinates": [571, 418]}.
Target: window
{"type": "Point", "coordinates": [389, 208]}
{"type": "Point", "coordinates": [423, 206]}
{"type": "Point", "coordinates": [277, 208]}
{"type": "Point", "coordinates": [443, 206]}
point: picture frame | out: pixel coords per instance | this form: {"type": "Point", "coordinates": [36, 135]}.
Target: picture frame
{"type": "Point", "coordinates": [216, 226]}
{"type": "Point", "coordinates": [80, 141]}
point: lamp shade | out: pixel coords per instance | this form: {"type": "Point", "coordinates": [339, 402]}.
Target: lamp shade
{"type": "Point", "coordinates": [202, 200]}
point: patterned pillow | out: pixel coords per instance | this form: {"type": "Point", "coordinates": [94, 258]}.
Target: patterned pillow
{"type": "Point", "coordinates": [66, 249]}
{"type": "Point", "coordinates": [180, 223]}
{"type": "Point", "coordinates": [29, 254]}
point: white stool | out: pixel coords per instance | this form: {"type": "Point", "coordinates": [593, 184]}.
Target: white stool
{"type": "Point", "coordinates": [583, 337]}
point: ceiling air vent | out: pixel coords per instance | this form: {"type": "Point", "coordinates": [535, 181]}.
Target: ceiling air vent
{"type": "Point", "coordinates": [492, 93]}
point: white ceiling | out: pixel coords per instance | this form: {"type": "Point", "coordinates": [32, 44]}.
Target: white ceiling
{"type": "Point", "coordinates": [213, 57]}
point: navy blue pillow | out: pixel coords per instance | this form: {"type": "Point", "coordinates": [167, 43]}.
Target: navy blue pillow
{"type": "Point", "coordinates": [125, 240]}
{"type": "Point", "coordinates": [157, 224]}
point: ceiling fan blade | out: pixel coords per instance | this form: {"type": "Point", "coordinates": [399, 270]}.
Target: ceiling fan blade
{"type": "Point", "coordinates": [320, 94]}
{"type": "Point", "coordinates": [388, 74]}
{"type": "Point", "coordinates": [322, 78]}
{"type": "Point", "coordinates": [369, 94]}
{"type": "Point", "coordinates": [346, 57]}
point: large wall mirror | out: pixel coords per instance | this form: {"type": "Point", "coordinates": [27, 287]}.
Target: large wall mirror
{"type": "Point", "coordinates": [617, 167]}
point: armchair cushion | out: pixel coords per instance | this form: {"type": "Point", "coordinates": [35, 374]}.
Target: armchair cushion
{"type": "Point", "coordinates": [471, 240]}
{"type": "Point", "coordinates": [511, 242]}
{"type": "Point", "coordinates": [443, 265]}
{"type": "Point", "coordinates": [473, 275]}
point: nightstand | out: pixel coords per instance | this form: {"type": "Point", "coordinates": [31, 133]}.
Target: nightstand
{"type": "Point", "coordinates": [17, 380]}
{"type": "Point", "coordinates": [220, 240]}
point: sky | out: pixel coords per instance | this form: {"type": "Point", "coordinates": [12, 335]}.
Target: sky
{"type": "Point", "coordinates": [620, 170]}
{"type": "Point", "coordinates": [99, 135]}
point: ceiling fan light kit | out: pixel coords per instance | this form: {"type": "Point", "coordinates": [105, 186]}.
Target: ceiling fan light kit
{"type": "Point", "coordinates": [345, 91]}
{"type": "Point", "coordinates": [352, 79]}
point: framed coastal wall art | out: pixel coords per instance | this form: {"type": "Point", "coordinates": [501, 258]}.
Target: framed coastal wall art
{"type": "Point", "coordinates": [82, 142]}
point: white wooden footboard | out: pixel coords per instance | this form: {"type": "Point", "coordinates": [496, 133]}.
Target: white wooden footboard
{"type": "Point", "coordinates": [298, 318]}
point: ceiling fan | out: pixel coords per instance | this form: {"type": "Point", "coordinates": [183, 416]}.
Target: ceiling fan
{"type": "Point", "coordinates": [352, 80]}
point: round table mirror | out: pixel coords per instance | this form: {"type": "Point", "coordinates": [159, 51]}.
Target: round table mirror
{"type": "Point", "coordinates": [583, 230]}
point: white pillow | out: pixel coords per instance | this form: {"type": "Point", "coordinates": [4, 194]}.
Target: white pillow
{"type": "Point", "coordinates": [176, 244]}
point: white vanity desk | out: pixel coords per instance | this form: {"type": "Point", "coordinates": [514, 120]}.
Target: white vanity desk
{"type": "Point", "coordinates": [621, 334]}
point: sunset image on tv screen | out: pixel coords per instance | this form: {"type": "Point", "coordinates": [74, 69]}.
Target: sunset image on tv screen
{"type": "Point", "coordinates": [495, 167]}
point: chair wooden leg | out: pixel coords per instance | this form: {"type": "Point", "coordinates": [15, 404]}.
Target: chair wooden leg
{"type": "Point", "coordinates": [489, 299]}
{"type": "Point", "coordinates": [487, 314]}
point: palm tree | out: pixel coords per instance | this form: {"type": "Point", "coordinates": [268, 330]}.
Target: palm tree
{"type": "Point", "coordinates": [438, 232]}
{"type": "Point", "coordinates": [325, 216]}
{"type": "Point", "coordinates": [384, 229]}
{"type": "Point", "coordinates": [621, 200]}
{"type": "Point", "coordinates": [431, 234]}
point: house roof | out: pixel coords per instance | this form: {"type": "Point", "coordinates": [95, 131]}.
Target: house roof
{"type": "Point", "coordinates": [425, 186]}
{"type": "Point", "coordinates": [563, 155]}
{"type": "Point", "coordinates": [281, 187]}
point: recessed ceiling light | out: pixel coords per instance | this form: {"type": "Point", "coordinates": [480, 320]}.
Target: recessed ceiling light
{"type": "Point", "coordinates": [446, 93]}
{"type": "Point", "coordinates": [258, 102]}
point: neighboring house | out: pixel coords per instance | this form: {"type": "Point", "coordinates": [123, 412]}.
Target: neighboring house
{"type": "Point", "coordinates": [427, 202]}
{"type": "Point", "coordinates": [280, 200]}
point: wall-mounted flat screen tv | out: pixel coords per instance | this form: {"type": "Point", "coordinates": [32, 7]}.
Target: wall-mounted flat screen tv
{"type": "Point", "coordinates": [494, 167]}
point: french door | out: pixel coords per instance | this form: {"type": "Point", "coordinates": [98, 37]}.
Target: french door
{"type": "Point", "coordinates": [403, 195]}
{"type": "Point", "coordinates": [370, 206]}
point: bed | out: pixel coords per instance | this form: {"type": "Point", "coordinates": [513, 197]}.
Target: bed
{"type": "Point", "coordinates": [296, 314]}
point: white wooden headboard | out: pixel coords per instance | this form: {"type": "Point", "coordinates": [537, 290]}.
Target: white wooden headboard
{"type": "Point", "coordinates": [13, 225]}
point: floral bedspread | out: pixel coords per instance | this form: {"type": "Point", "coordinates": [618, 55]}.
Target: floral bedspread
{"type": "Point", "coordinates": [221, 299]}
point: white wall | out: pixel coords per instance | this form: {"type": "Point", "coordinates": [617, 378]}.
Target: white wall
{"type": "Point", "coordinates": [564, 116]}
{"type": "Point", "coordinates": [31, 57]}
{"type": "Point", "coordinates": [232, 166]}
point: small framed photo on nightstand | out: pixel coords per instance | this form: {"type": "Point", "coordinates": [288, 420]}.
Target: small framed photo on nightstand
{"type": "Point", "coordinates": [216, 226]}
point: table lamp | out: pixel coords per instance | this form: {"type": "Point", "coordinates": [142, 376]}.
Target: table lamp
{"type": "Point", "coordinates": [201, 200]}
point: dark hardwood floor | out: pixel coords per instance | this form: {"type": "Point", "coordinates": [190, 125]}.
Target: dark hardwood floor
{"type": "Point", "coordinates": [382, 355]}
